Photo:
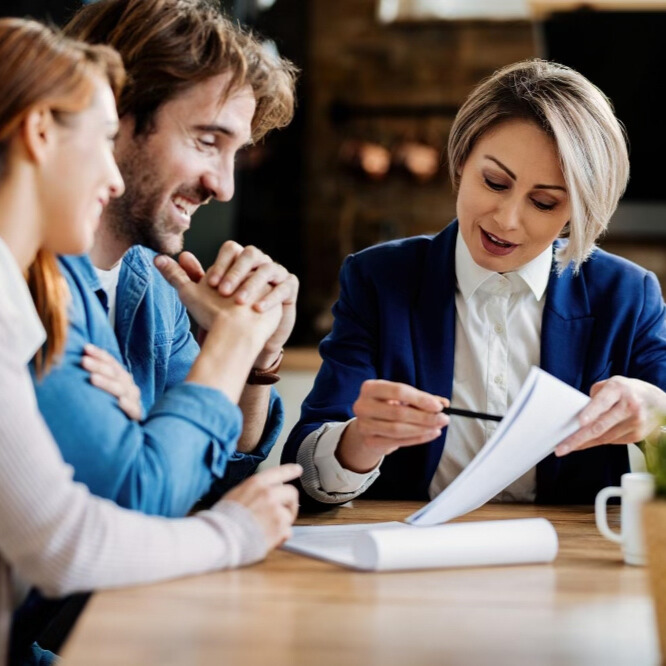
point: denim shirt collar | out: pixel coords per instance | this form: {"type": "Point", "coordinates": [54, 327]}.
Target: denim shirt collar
{"type": "Point", "coordinates": [135, 276]}
{"type": "Point", "coordinates": [86, 270]}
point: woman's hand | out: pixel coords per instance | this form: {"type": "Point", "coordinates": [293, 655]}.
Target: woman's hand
{"type": "Point", "coordinates": [106, 373]}
{"type": "Point", "coordinates": [622, 411]}
{"type": "Point", "coordinates": [272, 502]}
{"type": "Point", "coordinates": [389, 415]}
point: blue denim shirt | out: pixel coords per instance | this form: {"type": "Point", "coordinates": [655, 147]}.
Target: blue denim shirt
{"type": "Point", "coordinates": [186, 444]}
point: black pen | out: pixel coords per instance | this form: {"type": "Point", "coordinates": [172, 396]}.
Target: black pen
{"type": "Point", "coordinates": [453, 411]}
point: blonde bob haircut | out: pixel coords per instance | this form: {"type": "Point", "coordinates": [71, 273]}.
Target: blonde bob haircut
{"type": "Point", "coordinates": [590, 140]}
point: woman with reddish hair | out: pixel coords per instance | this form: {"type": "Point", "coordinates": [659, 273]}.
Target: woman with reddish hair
{"type": "Point", "coordinates": [58, 120]}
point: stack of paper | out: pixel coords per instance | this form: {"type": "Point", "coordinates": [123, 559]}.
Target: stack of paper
{"type": "Point", "coordinates": [542, 415]}
{"type": "Point", "coordinates": [397, 546]}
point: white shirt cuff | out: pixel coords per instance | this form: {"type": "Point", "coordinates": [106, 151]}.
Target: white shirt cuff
{"type": "Point", "coordinates": [328, 467]}
{"type": "Point", "coordinates": [333, 477]}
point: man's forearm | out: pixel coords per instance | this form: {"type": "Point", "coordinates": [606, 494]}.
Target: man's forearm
{"type": "Point", "coordinates": [254, 403]}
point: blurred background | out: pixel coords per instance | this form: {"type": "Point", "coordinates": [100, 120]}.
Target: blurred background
{"type": "Point", "coordinates": [364, 160]}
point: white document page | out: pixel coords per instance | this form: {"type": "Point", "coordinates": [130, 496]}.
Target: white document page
{"type": "Point", "coordinates": [542, 415]}
{"type": "Point", "coordinates": [397, 546]}
{"type": "Point", "coordinates": [332, 543]}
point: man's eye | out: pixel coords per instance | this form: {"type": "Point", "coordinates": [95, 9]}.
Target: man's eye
{"type": "Point", "coordinates": [207, 141]}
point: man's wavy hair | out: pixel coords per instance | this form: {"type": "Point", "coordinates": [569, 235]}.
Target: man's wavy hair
{"type": "Point", "coordinates": [169, 46]}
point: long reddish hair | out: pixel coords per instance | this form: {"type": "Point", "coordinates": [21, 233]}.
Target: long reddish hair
{"type": "Point", "coordinates": [41, 66]}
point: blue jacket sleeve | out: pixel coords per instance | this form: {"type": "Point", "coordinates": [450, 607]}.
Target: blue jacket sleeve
{"type": "Point", "coordinates": [160, 466]}
{"type": "Point", "coordinates": [647, 356]}
{"type": "Point", "coordinates": [238, 465]}
{"type": "Point", "coordinates": [349, 357]}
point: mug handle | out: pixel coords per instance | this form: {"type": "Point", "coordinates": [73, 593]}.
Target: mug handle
{"type": "Point", "coordinates": [601, 515]}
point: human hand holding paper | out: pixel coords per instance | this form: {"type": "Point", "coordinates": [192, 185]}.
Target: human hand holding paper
{"type": "Point", "coordinates": [542, 415]}
{"type": "Point", "coordinates": [622, 411]}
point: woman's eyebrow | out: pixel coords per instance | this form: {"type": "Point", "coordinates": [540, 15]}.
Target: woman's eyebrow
{"type": "Point", "coordinates": [513, 175]}
{"type": "Point", "coordinates": [501, 166]}
{"type": "Point", "coordinates": [550, 187]}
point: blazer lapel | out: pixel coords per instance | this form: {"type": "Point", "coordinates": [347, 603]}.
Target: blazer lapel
{"type": "Point", "coordinates": [433, 330]}
{"type": "Point", "coordinates": [566, 328]}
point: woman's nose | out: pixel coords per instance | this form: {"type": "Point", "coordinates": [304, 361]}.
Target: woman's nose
{"type": "Point", "coordinates": [507, 216]}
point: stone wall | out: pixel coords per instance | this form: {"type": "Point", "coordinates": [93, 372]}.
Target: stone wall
{"type": "Point", "coordinates": [389, 86]}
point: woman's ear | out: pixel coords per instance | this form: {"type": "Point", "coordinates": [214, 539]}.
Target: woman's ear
{"type": "Point", "coordinates": [38, 133]}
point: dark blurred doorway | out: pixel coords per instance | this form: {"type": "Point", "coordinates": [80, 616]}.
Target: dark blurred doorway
{"type": "Point", "coordinates": [50, 11]}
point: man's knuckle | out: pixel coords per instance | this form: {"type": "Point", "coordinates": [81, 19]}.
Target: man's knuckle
{"type": "Point", "coordinates": [253, 252]}
{"type": "Point", "coordinates": [231, 245]}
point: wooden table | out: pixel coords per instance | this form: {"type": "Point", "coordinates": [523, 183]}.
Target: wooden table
{"type": "Point", "coordinates": [585, 608]}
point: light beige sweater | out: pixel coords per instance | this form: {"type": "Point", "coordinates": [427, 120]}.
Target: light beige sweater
{"type": "Point", "coordinates": [53, 533]}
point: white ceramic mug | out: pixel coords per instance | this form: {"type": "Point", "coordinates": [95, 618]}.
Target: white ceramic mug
{"type": "Point", "coordinates": [637, 488]}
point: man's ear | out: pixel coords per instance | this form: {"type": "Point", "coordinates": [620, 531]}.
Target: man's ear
{"type": "Point", "coordinates": [38, 133]}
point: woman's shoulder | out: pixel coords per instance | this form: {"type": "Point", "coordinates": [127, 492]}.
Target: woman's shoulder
{"type": "Point", "coordinates": [605, 266]}
{"type": "Point", "coordinates": [405, 253]}
{"type": "Point", "coordinates": [617, 284]}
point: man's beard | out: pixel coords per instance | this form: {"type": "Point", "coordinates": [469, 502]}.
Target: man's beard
{"type": "Point", "coordinates": [136, 218]}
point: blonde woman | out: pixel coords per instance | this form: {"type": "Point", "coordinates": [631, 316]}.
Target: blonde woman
{"type": "Point", "coordinates": [536, 156]}
{"type": "Point", "coordinates": [58, 121]}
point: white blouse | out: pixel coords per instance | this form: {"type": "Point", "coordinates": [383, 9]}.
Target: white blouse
{"type": "Point", "coordinates": [498, 339]}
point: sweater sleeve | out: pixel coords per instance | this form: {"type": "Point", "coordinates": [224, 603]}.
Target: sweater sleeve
{"type": "Point", "coordinates": [61, 539]}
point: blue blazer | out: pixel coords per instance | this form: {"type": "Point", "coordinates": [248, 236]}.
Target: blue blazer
{"type": "Point", "coordinates": [395, 320]}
